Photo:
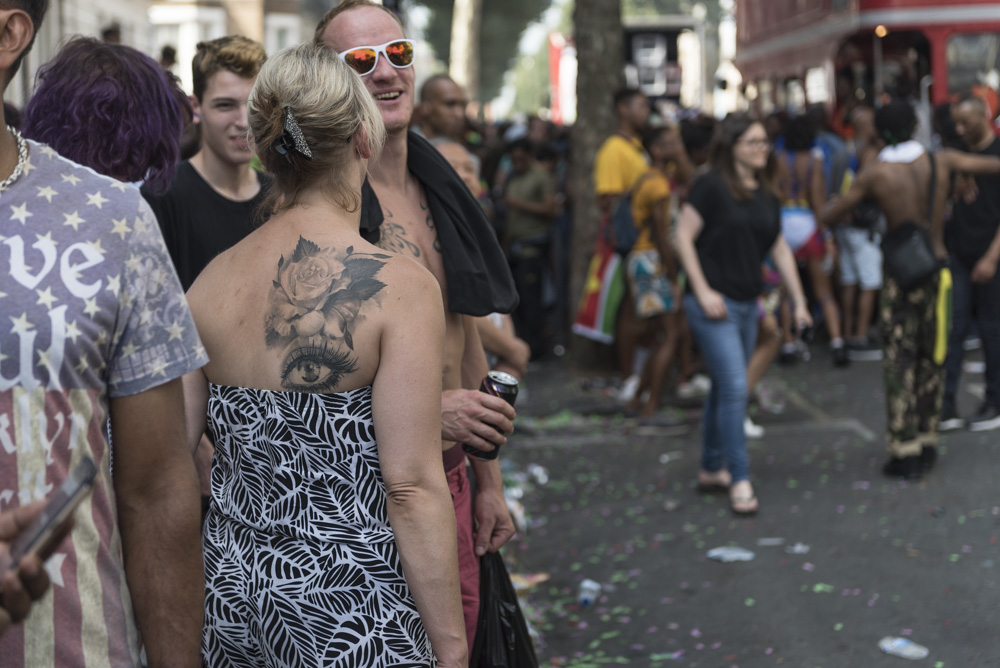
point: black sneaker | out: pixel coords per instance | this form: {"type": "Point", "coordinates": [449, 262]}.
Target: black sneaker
{"type": "Point", "coordinates": [950, 419]}
{"type": "Point", "coordinates": [839, 354]}
{"type": "Point", "coordinates": [865, 350]}
{"type": "Point", "coordinates": [986, 418]}
{"type": "Point", "coordinates": [789, 354]}
{"type": "Point", "coordinates": [928, 456]}
{"type": "Point", "coordinates": [907, 468]}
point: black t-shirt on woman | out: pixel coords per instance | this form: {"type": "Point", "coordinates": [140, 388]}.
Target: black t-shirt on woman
{"type": "Point", "coordinates": [735, 236]}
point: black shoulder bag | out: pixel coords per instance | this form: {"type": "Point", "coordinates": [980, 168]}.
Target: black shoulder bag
{"type": "Point", "coordinates": [907, 252]}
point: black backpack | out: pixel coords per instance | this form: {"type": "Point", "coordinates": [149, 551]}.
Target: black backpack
{"type": "Point", "coordinates": [623, 232]}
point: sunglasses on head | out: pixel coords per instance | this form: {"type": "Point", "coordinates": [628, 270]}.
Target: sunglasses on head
{"type": "Point", "coordinates": [363, 59]}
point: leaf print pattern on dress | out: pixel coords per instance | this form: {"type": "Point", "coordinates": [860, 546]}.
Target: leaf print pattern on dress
{"type": "Point", "coordinates": [301, 566]}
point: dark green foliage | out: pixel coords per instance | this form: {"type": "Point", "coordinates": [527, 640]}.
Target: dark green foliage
{"type": "Point", "coordinates": [502, 25]}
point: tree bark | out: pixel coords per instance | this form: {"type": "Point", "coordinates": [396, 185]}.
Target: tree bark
{"type": "Point", "coordinates": [463, 61]}
{"type": "Point", "coordinates": [600, 72]}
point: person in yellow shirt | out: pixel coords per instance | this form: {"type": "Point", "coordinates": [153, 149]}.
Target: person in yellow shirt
{"type": "Point", "coordinates": [619, 164]}
{"type": "Point", "coordinates": [652, 271]}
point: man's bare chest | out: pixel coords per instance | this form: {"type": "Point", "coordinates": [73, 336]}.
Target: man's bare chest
{"type": "Point", "coordinates": [409, 229]}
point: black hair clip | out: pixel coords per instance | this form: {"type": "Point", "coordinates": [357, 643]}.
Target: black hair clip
{"type": "Point", "coordinates": [291, 138]}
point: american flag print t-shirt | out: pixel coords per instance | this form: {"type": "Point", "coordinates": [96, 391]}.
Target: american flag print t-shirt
{"type": "Point", "coordinates": [90, 309]}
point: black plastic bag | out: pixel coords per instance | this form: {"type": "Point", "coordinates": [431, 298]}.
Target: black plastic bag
{"type": "Point", "coordinates": [502, 639]}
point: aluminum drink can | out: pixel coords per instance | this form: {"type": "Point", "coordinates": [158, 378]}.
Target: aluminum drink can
{"type": "Point", "coordinates": [502, 385]}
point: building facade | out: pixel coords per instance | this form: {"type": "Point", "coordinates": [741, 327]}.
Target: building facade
{"type": "Point", "coordinates": [149, 26]}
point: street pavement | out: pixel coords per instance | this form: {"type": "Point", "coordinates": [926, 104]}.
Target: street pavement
{"type": "Point", "coordinates": [610, 501]}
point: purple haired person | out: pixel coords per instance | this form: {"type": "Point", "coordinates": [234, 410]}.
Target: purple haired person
{"type": "Point", "coordinates": [111, 108]}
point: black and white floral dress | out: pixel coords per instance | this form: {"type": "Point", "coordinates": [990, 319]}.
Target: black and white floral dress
{"type": "Point", "coordinates": [301, 565]}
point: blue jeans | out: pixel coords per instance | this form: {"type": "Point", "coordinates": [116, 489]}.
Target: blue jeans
{"type": "Point", "coordinates": [726, 346]}
{"type": "Point", "coordinates": [983, 300]}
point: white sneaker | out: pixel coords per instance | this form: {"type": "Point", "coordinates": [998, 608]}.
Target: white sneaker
{"type": "Point", "coordinates": [698, 386]}
{"type": "Point", "coordinates": [752, 429]}
{"type": "Point", "coordinates": [702, 382]}
{"type": "Point", "coordinates": [629, 388]}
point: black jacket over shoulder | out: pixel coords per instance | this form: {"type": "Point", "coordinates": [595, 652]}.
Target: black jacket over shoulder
{"type": "Point", "coordinates": [479, 280]}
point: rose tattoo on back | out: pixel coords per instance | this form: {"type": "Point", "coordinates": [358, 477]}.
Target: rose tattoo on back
{"type": "Point", "coordinates": [315, 304]}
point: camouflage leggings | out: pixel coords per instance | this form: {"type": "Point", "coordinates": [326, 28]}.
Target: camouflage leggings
{"type": "Point", "coordinates": [914, 381]}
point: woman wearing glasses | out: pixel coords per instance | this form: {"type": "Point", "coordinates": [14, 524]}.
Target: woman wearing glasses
{"type": "Point", "coordinates": [330, 539]}
{"type": "Point", "coordinates": [731, 221]}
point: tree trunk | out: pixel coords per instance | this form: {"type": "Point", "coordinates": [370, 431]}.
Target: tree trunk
{"type": "Point", "coordinates": [597, 30]}
{"type": "Point", "coordinates": [464, 57]}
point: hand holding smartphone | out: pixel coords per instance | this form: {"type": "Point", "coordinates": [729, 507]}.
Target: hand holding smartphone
{"type": "Point", "coordinates": [45, 533]}
{"type": "Point", "coordinates": [35, 531]}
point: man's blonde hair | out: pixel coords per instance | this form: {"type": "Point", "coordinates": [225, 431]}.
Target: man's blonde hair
{"type": "Point", "coordinates": [343, 7]}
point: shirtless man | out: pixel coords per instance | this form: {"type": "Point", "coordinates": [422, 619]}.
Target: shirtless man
{"type": "Point", "coordinates": [911, 331]}
{"type": "Point", "coordinates": [468, 416]}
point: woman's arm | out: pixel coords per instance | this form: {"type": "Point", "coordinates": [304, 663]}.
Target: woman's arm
{"type": "Point", "coordinates": [660, 231]}
{"type": "Point", "coordinates": [195, 407]}
{"type": "Point", "coordinates": [406, 411]}
{"type": "Point", "coordinates": [784, 262]}
{"type": "Point", "coordinates": [689, 226]}
{"type": "Point", "coordinates": [817, 189]}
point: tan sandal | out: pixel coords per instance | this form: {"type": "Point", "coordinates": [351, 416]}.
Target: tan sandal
{"type": "Point", "coordinates": [709, 483]}
{"type": "Point", "coordinates": [744, 506]}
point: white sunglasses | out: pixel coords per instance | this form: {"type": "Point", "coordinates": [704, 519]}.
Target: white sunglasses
{"type": "Point", "coordinates": [364, 59]}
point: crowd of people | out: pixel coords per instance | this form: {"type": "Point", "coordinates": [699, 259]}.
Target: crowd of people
{"type": "Point", "coordinates": [265, 309]}
{"type": "Point", "coordinates": [743, 245]}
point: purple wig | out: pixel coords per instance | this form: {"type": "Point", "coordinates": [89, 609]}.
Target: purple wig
{"type": "Point", "coordinates": [111, 108]}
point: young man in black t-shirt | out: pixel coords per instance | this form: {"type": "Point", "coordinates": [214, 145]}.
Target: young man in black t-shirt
{"type": "Point", "coordinates": [212, 201]}
{"type": "Point", "coordinates": [973, 239]}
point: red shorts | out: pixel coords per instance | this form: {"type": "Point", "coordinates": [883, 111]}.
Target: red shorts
{"type": "Point", "coordinates": [814, 249]}
{"type": "Point", "coordinates": [468, 562]}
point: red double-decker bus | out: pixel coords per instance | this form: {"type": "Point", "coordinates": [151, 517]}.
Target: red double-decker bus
{"type": "Point", "coordinates": [797, 52]}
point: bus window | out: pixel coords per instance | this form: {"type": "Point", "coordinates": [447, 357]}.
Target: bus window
{"type": "Point", "coordinates": [973, 63]}
{"type": "Point", "coordinates": [765, 93]}
{"type": "Point", "coordinates": [817, 88]}
{"type": "Point", "coordinates": [795, 100]}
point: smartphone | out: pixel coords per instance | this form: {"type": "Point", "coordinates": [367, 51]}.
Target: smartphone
{"type": "Point", "coordinates": [58, 508]}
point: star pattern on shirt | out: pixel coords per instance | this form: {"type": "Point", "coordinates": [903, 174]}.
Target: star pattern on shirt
{"type": "Point", "coordinates": [159, 368]}
{"type": "Point", "coordinates": [21, 324]}
{"type": "Point", "coordinates": [45, 359]}
{"type": "Point", "coordinates": [133, 263]}
{"type": "Point", "coordinates": [46, 298]}
{"type": "Point", "coordinates": [82, 365]}
{"type": "Point", "coordinates": [96, 245]}
{"type": "Point", "coordinates": [90, 307]}
{"type": "Point", "coordinates": [48, 192]}
{"type": "Point", "coordinates": [129, 349]}
{"type": "Point", "coordinates": [48, 151]}
{"type": "Point", "coordinates": [120, 227]}
{"type": "Point", "coordinates": [114, 284]}
{"type": "Point", "coordinates": [73, 219]}
{"type": "Point", "coordinates": [176, 331]}
{"type": "Point", "coordinates": [72, 331]}
{"type": "Point", "coordinates": [28, 166]}
{"type": "Point", "coordinates": [71, 179]}
{"type": "Point", "coordinates": [20, 213]}
{"type": "Point", "coordinates": [118, 185]}
{"type": "Point", "coordinates": [199, 351]}
{"type": "Point", "coordinates": [96, 199]}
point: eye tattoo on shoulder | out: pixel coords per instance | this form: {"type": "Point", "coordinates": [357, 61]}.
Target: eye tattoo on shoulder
{"type": "Point", "coordinates": [315, 305]}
